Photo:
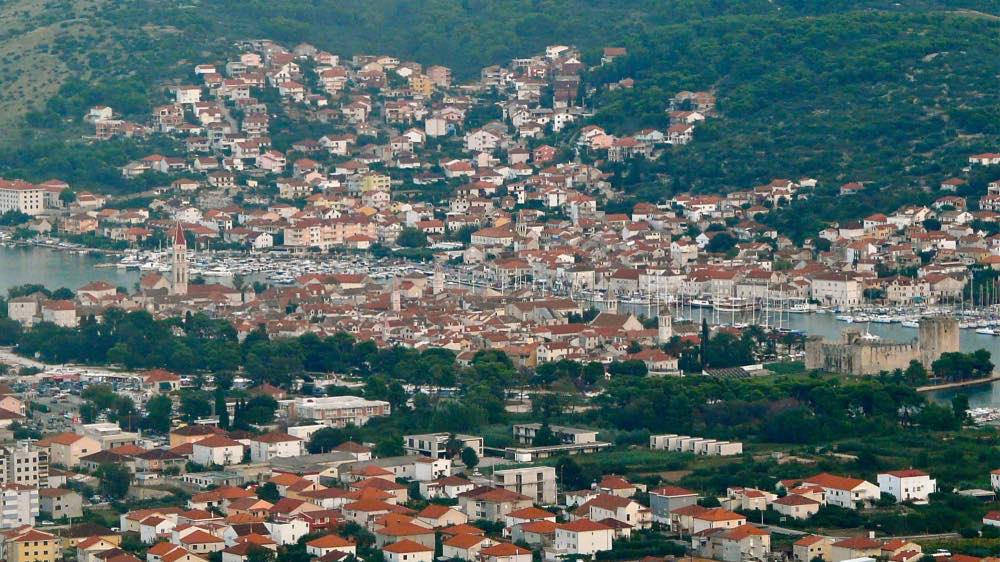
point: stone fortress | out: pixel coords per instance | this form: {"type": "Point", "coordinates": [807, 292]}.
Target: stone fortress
{"type": "Point", "coordinates": [863, 354]}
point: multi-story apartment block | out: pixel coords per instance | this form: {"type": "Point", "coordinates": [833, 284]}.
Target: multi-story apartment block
{"type": "Point", "coordinates": [24, 464]}
{"type": "Point", "coordinates": [18, 505]}
{"type": "Point", "coordinates": [22, 197]}
{"type": "Point", "coordinates": [435, 445]}
{"type": "Point", "coordinates": [339, 411]}
{"type": "Point", "coordinates": [538, 482]}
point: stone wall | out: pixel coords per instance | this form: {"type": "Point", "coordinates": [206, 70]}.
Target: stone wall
{"type": "Point", "coordinates": [856, 355]}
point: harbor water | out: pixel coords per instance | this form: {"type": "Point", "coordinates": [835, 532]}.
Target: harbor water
{"type": "Point", "coordinates": [55, 268]}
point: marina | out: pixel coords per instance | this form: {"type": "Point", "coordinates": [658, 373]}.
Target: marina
{"type": "Point", "coordinates": [59, 267]}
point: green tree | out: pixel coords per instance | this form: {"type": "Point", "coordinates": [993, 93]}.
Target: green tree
{"type": "Point", "coordinates": [389, 446]}
{"type": "Point", "coordinates": [593, 372]}
{"type": "Point", "coordinates": [114, 480]}
{"type": "Point", "coordinates": [10, 331]}
{"type": "Point", "coordinates": [158, 414]}
{"type": "Point", "coordinates": [629, 368]}
{"type": "Point", "coordinates": [221, 410]}
{"type": "Point", "coordinates": [259, 410]}
{"type": "Point", "coordinates": [194, 406]}
{"type": "Point", "coordinates": [261, 554]}
{"type": "Point", "coordinates": [326, 439]}
{"type": "Point", "coordinates": [469, 457]}
{"type": "Point", "coordinates": [544, 437]}
{"type": "Point", "coordinates": [570, 474]}
{"type": "Point", "coordinates": [960, 407]}
{"type": "Point", "coordinates": [268, 492]}
{"type": "Point", "coordinates": [411, 237]}
{"type": "Point", "coordinates": [101, 395]}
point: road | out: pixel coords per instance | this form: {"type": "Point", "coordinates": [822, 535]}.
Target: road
{"type": "Point", "coordinates": [798, 533]}
{"type": "Point", "coordinates": [8, 356]}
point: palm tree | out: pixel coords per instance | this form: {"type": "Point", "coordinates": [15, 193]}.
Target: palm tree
{"type": "Point", "coordinates": [240, 284]}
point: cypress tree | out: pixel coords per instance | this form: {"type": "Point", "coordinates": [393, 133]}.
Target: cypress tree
{"type": "Point", "coordinates": [221, 410]}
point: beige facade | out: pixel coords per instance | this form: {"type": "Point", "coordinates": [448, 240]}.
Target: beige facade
{"type": "Point", "coordinates": [22, 197]}
{"type": "Point", "coordinates": [538, 483]}
{"type": "Point", "coordinates": [66, 449]}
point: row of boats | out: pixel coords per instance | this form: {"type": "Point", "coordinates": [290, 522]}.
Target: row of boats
{"type": "Point", "coordinates": [275, 268]}
{"type": "Point", "coordinates": [985, 416]}
{"type": "Point", "coordinates": [985, 325]}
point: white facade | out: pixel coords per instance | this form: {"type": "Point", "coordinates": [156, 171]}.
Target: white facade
{"type": "Point", "coordinates": [481, 141]}
{"type": "Point", "coordinates": [837, 291]}
{"type": "Point", "coordinates": [262, 451]}
{"type": "Point", "coordinates": [339, 411]}
{"type": "Point", "coordinates": [845, 492]}
{"type": "Point", "coordinates": [907, 485]}
{"type": "Point", "coordinates": [22, 197]}
{"type": "Point", "coordinates": [583, 542]}
{"type": "Point", "coordinates": [18, 506]}
{"type": "Point", "coordinates": [221, 455]}
{"type": "Point", "coordinates": [287, 532]}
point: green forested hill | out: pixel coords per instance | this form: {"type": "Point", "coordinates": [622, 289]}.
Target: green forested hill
{"type": "Point", "coordinates": [854, 96]}
{"type": "Point", "coordinates": [896, 99]}
{"type": "Point", "coordinates": [838, 89]}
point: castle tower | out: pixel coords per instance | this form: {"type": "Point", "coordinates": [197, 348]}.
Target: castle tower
{"type": "Point", "coordinates": [937, 335]}
{"type": "Point", "coordinates": [664, 327]}
{"type": "Point", "coordinates": [179, 271]}
{"type": "Point", "coordinates": [437, 283]}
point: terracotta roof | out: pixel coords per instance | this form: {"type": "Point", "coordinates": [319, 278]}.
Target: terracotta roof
{"type": "Point", "coordinates": [795, 499]}
{"type": "Point", "coordinates": [531, 513]}
{"type": "Point", "coordinates": [827, 480]}
{"type": "Point", "coordinates": [406, 546]}
{"type": "Point", "coordinates": [543, 527]}
{"type": "Point", "coordinates": [330, 541]}
{"type": "Point", "coordinates": [743, 531]}
{"type": "Point", "coordinates": [434, 511]}
{"type": "Point", "coordinates": [584, 526]}
{"type": "Point", "coordinates": [200, 537]}
{"type": "Point", "coordinates": [465, 541]}
{"type": "Point", "coordinates": [910, 473]}
{"type": "Point", "coordinates": [217, 441]}
{"type": "Point", "coordinates": [809, 541]}
{"type": "Point", "coordinates": [718, 514]}
{"type": "Point", "coordinates": [858, 543]}
{"type": "Point", "coordinates": [66, 438]}
{"type": "Point", "coordinates": [352, 447]}
{"type": "Point", "coordinates": [463, 529]}
{"type": "Point", "coordinates": [672, 491]}
{"type": "Point", "coordinates": [504, 549]}
{"type": "Point", "coordinates": [404, 530]}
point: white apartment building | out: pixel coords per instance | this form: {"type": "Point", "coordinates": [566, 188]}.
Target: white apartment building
{"type": "Point", "coordinates": [21, 196]}
{"type": "Point", "coordinates": [843, 492]}
{"type": "Point", "coordinates": [537, 482]}
{"type": "Point", "coordinates": [24, 465]}
{"type": "Point", "coordinates": [109, 435]}
{"type": "Point", "coordinates": [583, 536]}
{"type": "Point", "coordinates": [907, 485]}
{"type": "Point", "coordinates": [835, 289]}
{"type": "Point", "coordinates": [18, 505]}
{"type": "Point", "coordinates": [339, 411]}
{"type": "Point", "coordinates": [217, 450]}
{"type": "Point", "coordinates": [276, 444]}
{"type": "Point", "coordinates": [435, 445]}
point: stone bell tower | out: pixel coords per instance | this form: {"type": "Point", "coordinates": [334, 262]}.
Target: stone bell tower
{"type": "Point", "coordinates": [179, 263]}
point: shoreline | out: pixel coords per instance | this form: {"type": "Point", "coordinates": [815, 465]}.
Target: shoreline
{"type": "Point", "coordinates": [56, 247]}
{"type": "Point", "coordinates": [960, 384]}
